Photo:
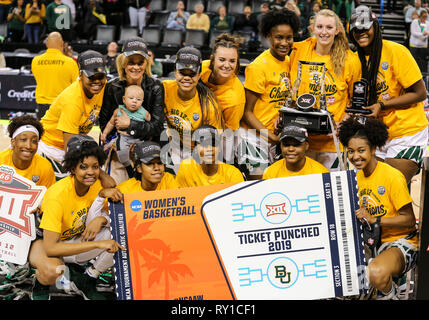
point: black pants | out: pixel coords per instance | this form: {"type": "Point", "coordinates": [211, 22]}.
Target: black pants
{"type": "Point", "coordinates": [41, 110]}
{"type": "Point", "coordinates": [419, 55]}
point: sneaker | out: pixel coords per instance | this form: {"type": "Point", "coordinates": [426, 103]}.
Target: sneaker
{"type": "Point", "coordinates": [40, 291]}
{"type": "Point", "coordinates": [84, 285]}
{"type": "Point", "coordinates": [106, 281]}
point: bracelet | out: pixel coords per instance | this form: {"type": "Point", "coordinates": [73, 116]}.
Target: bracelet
{"type": "Point", "coordinates": [382, 107]}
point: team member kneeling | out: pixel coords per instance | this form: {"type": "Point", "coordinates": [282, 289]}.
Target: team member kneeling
{"type": "Point", "coordinates": [70, 234]}
{"type": "Point", "coordinates": [294, 144]}
{"type": "Point", "coordinates": [204, 168]}
{"type": "Point", "coordinates": [383, 198]}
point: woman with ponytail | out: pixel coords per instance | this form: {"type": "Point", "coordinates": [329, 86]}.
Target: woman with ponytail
{"type": "Point", "coordinates": [329, 46]}
{"type": "Point", "coordinates": [189, 104]}
{"type": "Point", "coordinates": [384, 199]}
{"type": "Point", "coordinates": [396, 93]}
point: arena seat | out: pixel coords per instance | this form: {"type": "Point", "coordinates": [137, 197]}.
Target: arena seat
{"type": "Point", "coordinates": [157, 5]}
{"type": "Point", "coordinates": [236, 7]}
{"type": "Point", "coordinates": [127, 32]}
{"type": "Point", "coordinates": [104, 34]}
{"type": "Point", "coordinates": [213, 5]}
{"type": "Point", "coordinates": [172, 38]}
{"type": "Point", "coordinates": [152, 35]}
{"type": "Point", "coordinates": [195, 38]}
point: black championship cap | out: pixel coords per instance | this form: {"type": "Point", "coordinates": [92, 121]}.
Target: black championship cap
{"type": "Point", "coordinates": [206, 134]}
{"type": "Point", "coordinates": [361, 18]}
{"type": "Point", "coordinates": [146, 151]}
{"type": "Point", "coordinates": [76, 142]}
{"type": "Point", "coordinates": [135, 46]}
{"type": "Point", "coordinates": [92, 62]}
{"type": "Point", "coordinates": [189, 58]}
{"type": "Point", "coordinates": [295, 131]}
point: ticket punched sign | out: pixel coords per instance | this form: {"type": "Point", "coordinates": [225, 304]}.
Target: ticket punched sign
{"type": "Point", "coordinates": [285, 238]}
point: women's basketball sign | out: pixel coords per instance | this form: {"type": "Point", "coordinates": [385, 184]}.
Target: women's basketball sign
{"type": "Point", "coordinates": [286, 238]}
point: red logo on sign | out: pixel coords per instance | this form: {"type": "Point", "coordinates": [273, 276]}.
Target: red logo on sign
{"type": "Point", "coordinates": [6, 175]}
{"type": "Point", "coordinates": [276, 209]}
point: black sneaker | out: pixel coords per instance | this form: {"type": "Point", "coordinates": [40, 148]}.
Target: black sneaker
{"type": "Point", "coordinates": [40, 291]}
{"type": "Point", "coordinates": [84, 285]}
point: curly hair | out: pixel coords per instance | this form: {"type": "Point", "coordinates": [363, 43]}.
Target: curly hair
{"type": "Point", "coordinates": [277, 17]}
{"type": "Point", "coordinates": [23, 120]}
{"type": "Point", "coordinates": [88, 149]}
{"type": "Point", "coordinates": [373, 130]}
{"type": "Point", "coordinates": [226, 40]}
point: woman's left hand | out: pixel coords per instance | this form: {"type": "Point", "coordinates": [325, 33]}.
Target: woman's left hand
{"type": "Point", "coordinates": [122, 122]}
{"type": "Point", "coordinates": [375, 110]}
{"type": "Point", "coordinates": [111, 193]}
{"type": "Point", "coordinates": [93, 228]}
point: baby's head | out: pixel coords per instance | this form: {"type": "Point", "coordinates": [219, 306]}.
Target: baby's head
{"type": "Point", "coordinates": [133, 97]}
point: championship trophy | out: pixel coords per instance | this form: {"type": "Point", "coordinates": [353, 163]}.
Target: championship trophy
{"type": "Point", "coordinates": [359, 98]}
{"type": "Point", "coordinates": [309, 108]}
{"type": "Point", "coordinates": [305, 108]}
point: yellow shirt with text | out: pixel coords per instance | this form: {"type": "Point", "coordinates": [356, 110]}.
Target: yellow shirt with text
{"type": "Point", "coordinates": [186, 116]}
{"type": "Point", "coordinates": [398, 70]}
{"type": "Point", "coordinates": [133, 185]}
{"type": "Point", "coordinates": [71, 112]}
{"type": "Point", "coordinates": [66, 215]}
{"type": "Point", "coordinates": [190, 174]}
{"type": "Point", "coordinates": [383, 193]}
{"type": "Point", "coordinates": [279, 170]}
{"type": "Point", "coordinates": [53, 71]}
{"type": "Point", "coordinates": [269, 77]}
{"type": "Point", "coordinates": [338, 88]}
{"type": "Point", "coordinates": [40, 170]}
{"type": "Point", "coordinates": [230, 95]}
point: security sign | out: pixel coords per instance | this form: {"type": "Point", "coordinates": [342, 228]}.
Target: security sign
{"type": "Point", "coordinates": [19, 197]}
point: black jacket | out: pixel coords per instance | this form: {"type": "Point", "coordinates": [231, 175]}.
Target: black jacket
{"type": "Point", "coordinates": [153, 103]}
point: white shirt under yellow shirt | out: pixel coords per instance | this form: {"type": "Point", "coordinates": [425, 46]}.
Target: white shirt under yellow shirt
{"type": "Point", "coordinates": [230, 95]}
{"type": "Point", "coordinates": [269, 77]}
{"type": "Point", "coordinates": [338, 88]}
{"type": "Point", "coordinates": [40, 170]}
{"type": "Point", "coordinates": [385, 191]}
{"type": "Point", "coordinates": [65, 212]}
{"type": "Point", "coordinates": [191, 174]}
{"type": "Point", "coordinates": [279, 170]}
{"type": "Point", "coordinates": [71, 112]}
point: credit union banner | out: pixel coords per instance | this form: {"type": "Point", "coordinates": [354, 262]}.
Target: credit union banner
{"type": "Point", "coordinates": [285, 238]}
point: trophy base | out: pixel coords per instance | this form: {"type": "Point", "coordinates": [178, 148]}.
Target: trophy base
{"type": "Point", "coordinates": [316, 121]}
{"type": "Point", "coordinates": [358, 111]}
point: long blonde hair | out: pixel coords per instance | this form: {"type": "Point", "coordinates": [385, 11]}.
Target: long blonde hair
{"type": "Point", "coordinates": [121, 63]}
{"type": "Point", "coordinates": [340, 46]}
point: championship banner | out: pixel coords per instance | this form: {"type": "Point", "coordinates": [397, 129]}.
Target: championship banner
{"type": "Point", "coordinates": [18, 198]}
{"type": "Point", "coordinates": [285, 238]}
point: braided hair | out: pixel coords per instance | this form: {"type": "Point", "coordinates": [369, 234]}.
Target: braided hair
{"type": "Point", "coordinates": [370, 68]}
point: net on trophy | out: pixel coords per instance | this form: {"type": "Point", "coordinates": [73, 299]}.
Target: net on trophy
{"type": "Point", "coordinates": [307, 107]}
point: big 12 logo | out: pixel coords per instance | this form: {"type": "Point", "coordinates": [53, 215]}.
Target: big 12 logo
{"type": "Point", "coordinates": [18, 198]}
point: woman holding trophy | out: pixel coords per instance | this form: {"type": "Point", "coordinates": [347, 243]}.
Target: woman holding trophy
{"type": "Point", "coordinates": [326, 68]}
{"type": "Point", "coordinates": [396, 93]}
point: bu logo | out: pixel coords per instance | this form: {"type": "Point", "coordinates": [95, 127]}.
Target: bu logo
{"type": "Point", "coordinates": [282, 274]}
{"type": "Point", "coordinates": [276, 209]}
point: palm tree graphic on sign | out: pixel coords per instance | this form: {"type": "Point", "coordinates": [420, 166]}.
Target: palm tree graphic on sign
{"type": "Point", "coordinates": [157, 256]}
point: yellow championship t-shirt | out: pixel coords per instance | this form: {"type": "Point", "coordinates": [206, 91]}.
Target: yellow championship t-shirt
{"type": "Point", "coordinates": [269, 77]}
{"type": "Point", "coordinates": [383, 193]}
{"type": "Point", "coordinates": [71, 112]}
{"type": "Point", "coordinates": [338, 88]}
{"type": "Point", "coordinates": [230, 95]}
{"type": "Point", "coordinates": [190, 174]}
{"type": "Point", "coordinates": [64, 212]}
{"type": "Point", "coordinates": [278, 169]}
{"type": "Point", "coordinates": [133, 185]}
{"type": "Point", "coordinates": [53, 71]}
{"type": "Point", "coordinates": [40, 170]}
{"type": "Point", "coordinates": [398, 70]}
{"type": "Point", "coordinates": [186, 116]}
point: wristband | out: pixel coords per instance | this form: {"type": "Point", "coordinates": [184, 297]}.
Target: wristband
{"type": "Point", "coordinates": [382, 107]}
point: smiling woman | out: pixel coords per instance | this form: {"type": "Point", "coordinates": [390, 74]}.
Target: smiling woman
{"type": "Point", "coordinates": [329, 46]}
{"type": "Point", "coordinates": [25, 132]}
